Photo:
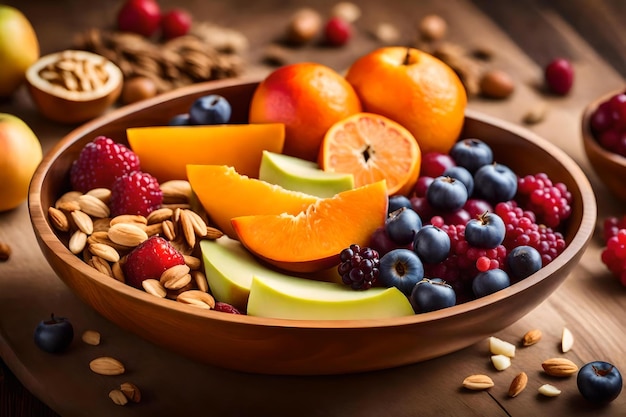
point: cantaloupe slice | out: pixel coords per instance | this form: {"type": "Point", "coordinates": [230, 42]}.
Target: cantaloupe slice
{"type": "Point", "coordinates": [224, 194]}
{"type": "Point", "coordinates": [312, 240]}
{"type": "Point", "coordinates": [164, 151]}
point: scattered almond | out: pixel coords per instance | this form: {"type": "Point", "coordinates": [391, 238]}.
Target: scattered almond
{"type": "Point", "coordinates": [91, 337]}
{"type": "Point", "coordinates": [118, 397]}
{"type": "Point", "coordinates": [131, 391]}
{"type": "Point", "coordinates": [304, 25]}
{"type": "Point", "coordinates": [478, 382]}
{"type": "Point", "coordinates": [559, 367]}
{"type": "Point", "coordinates": [386, 33]}
{"type": "Point", "coordinates": [537, 113]}
{"type": "Point", "coordinates": [346, 10]}
{"type": "Point", "coordinates": [549, 390]}
{"type": "Point", "coordinates": [433, 27]}
{"type": "Point", "coordinates": [567, 340]}
{"type": "Point", "coordinates": [5, 251]}
{"type": "Point", "coordinates": [106, 365]}
{"type": "Point", "coordinates": [500, 347]}
{"type": "Point", "coordinates": [500, 362]}
{"type": "Point", "coordinates": [531, 337]}
{"type": "Point", "coordinates": [518, 384]}
{"type": "Point", "coordinates": [496, 84]}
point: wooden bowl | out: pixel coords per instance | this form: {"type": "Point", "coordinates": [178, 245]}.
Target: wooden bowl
{"type": "Point", "coordinates": [278, 346]}
{"type": "Point", "coordinates": [610, 166]}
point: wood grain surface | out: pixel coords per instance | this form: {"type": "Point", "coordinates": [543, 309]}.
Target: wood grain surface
{"type": "Point", "coordinates": [524, 36]}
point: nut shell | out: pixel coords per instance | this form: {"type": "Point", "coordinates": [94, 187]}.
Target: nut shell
{"type": "Point", "coordinates": [70, 107]}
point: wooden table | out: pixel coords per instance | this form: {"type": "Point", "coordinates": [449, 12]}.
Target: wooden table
{"type": "Point", "coordinates": [524, 36]}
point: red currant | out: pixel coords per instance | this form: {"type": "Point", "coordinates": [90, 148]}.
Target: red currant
{"type": "Point", "coordinates": [559, 75]}
{"type": "Point", "coordinates": [337, 31]}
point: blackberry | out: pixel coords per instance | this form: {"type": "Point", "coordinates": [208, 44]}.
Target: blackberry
{"type": "Point", "coordinates": [550, 202]}
{"type": "Point", "coordinates": [359, 267]}
{"type": "Point", "coordinates": [522, 229]}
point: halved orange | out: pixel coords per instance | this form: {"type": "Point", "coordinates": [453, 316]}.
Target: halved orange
{"type": "Point", "coordinates": [372, 148]}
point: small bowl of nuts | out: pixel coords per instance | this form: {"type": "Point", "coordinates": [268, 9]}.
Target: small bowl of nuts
{"type": "Point", "coordinates": [603, 133]}
{"type": "Point", "coordinates": [74, 86]}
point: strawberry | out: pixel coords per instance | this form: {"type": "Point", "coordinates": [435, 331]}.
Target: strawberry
{"type": "Point", "coordinates": [135, 193]}
{"type": "Point", "coordinates": [100, 162]}
{"type": "Point", "coordinates": [149, 260]}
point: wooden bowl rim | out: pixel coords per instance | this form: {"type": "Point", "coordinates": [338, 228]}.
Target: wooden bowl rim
{"type": "Point", "coordinates": [43, 229]}
{"type": "Point", "coordinates": [591, 144]}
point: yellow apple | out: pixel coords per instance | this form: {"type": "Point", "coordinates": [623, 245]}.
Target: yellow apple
{"type": "Point", "coordinates": [20, 153]}
{"type": "Point", "coordinates": [19, 48]}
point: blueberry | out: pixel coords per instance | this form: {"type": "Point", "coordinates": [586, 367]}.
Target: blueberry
{"type": "Point", "coordinates": [180, 120]}
{"type": "Point", "coordinates": [523, 261]}
{"type": "Point", "coordinates": [471, 154]}
{"type": "Point", "coordinates": [398, 201]}
{"type": "Point", "coordinates": [432, 294]}
{"type": "Point", "coordinates": [400, 268]}
{"type": "Point", "coordinates": [463, 175]}
{"type": "Point", "coordinates": [54, 335]}
{"type": "Point", "coordinates": [486, 231]}
{"type": "Point", "coordinates": [599, 382]}
{"type": "Point", "coordinates": [490, 281]}
{"type": "Point", "coordinates": [210, 110]}
{"type": "Point", "coordinates": [495, 183]}
{"type": "Point", "coordinates": [446, 194]}
{"type": "Point", "coordinates": [431, 244]}
{"type": "Point", "coordinates": [402, 224]}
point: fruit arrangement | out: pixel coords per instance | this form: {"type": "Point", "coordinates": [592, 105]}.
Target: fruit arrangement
{"type": "Point", "coordinates": [608, 123]}
{"type": "Point", "coordinates": [407, 230]}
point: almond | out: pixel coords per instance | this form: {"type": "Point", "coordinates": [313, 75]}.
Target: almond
{"type": "Point", "coordinates": [478, 382]}
{"type": "Point", "coordinates": [101, 265]}
{"type": "Point", "coordinates": [560, 367]}
{"type": "Point", "coordinates": [531, 337]}
{"type": "Point", "coordinates": [212, 233]}
{"type": "Point", "coordinates": [500, 362]}
{"type": "Point", "coordinates": [549, 390]}
{"type": "Point", "coordinates": [154, 287]}
{"type": "Point", "coordinates": [169, 231]}
{"type": "Point", "coordinates": [107, 365]}
{"type": "Point", "coordinates": [160, 215]}
{"type": "Point", "coordinates": [197, 298]}
{"type": "Point", "coordinates": [127, 234]}
{"type": "Point", "coordinates": [176, 191]}
{"type": "Point", "coordinates": [93, 206]}
{"type": "Point", "coordinates": [5, 251]}
{"type": "Point", "coordinates": [199, 226]}
{"type": "Point", "coordinates": [118, 397]}
{"type": "Point", "coordinates": [69, 198]}
{"type": "Point", "coordinates": [135, 219]}
{"type": "Point", "coordinates": [200, 280]}
{"type": "Point", "coordinates": [518, 384]}
{"type": "Point", "coordinates": [77, 242]}
{"type": "Point", "coordinates": [91, 337]}
{"type": "Point", "coordinates": [154, 229]}
{"type": "Point", "coordinates": [501, 347]}
{"type": "Point", "coordinates": [567, 340]}
{"type": "Point", "coordinates": [188, 228]}
{"type": "Point", "coordinates": [82, 221]}
{"type": "Point", "coordinates": [131, 391]}
{"type": "Point", "coordinates": [58, 219]}
{"type": "Point", "coordinates": [176, 277]}
{"type": "Point", "coordinates": [192, 262]}
{"type": "Point", "coordinates": [102, 194]}
{"type": "Point", "coordinates": [104, 251]}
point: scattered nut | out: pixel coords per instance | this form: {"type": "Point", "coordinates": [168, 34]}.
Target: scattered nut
{"type": "Point", "coordinates": [500, 362]}
{"type": "Point", "coordinates": [275, 55]}
{"type": "Point", "coordinates": [137, 89]}
{"type": "Point", "coordinates": [107, 365]}
{"type": "Point", "coordinates": [118, 397]}
{"type": "Point", "coordinates": [131, 391]}
{"type": "Point", "coordinates": [496, 84]}
{"type": "Point", "coordinates": [536, 114]}
{"type": "Point", "coordinates": [5, 251]}
{"type": "Point", "coordinates": [500, 347]}
{"type": "Point", "coordinates": [386, 33]}
{"type": "Point", "coordinates": [518, 384]}
{"type": "Point", "coordinates": [91, 337]}
{"type": "Point", "coordinates": [433, 27]}
{"type": "Point", "coordinates": [567, 340]}
{"type": "Point", "coordinates": [531, 337]}
{"type": "Point", "coordinates": [347, 11]}
{"type": "Point", "coordinates": [305, 24]}
{"type": "Point", "coordinates": [549, 390]}
{"type": "Point", "coordinates": [478, 382]}
{"type": "Point", "coordinates": [559, 367]}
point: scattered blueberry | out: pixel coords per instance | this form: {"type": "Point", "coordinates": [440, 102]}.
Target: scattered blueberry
{"type": "Point", "coordinates": [398, 201]}
{"type": "Point", "coordinates": [210, 110]}
{"type": "Point", "coordinates": [471, 154]}
{"type": "Point", "coordinates": [431, 244]}
{"type": "Point", "coordinates": [485, 231]}
{"type": "Point", "coordinates": [54, 335]}
{"type": "Point", "coordinates": [523, 261]}
{"type": "Point", "coordinates": [490, 281]}
{"type": "Point", "coordinates": [495, 183]}
{"type": "Point", "coordinates": [432, 294]}
{"type": "Point", "coordinates": [401, 268]}
{"type": "Point", "coordinates": [599, 382]}
{"type": "Point", "coordinates": [446, 194]}
{"type": "Point", "coordinates": [402, 224]}
{"type": "Point", "coordinates": [463, 175]}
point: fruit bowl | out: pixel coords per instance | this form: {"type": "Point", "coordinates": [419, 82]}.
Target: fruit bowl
{"type": "Point", "coordinates": [610, 166]}
{"type": "Point", "coordinates": [304, 347]}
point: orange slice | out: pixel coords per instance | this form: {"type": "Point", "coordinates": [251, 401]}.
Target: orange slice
{"type": "Point", "coordinates": [372, 148]}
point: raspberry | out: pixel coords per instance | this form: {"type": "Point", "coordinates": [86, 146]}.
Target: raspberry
{"type": "Point", "coordinates": [359, 267]}
{"type": "Point", "coordinates": [521, 229]}
{"type": "Point", "coordinates": [550, 202]}
{"type": "Point", "coordinates": [149, 260]}
{"type": "Point", "coordinates": [100, 162]}
{"type": "Point", "coordinates": [614, 255]}
{"type": "Point", "coordinates": [226, 308]}
{"type": "Point", "coordinates": [135, 193]}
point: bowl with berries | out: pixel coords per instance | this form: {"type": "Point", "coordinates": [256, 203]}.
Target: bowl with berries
{"type": "Point", "coordinates": [603, 129]}
{"type": "Point", "coordinates": [205, 238]}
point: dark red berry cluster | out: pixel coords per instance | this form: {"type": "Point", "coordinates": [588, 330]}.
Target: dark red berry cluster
{"type": "Point", "coordinates": [614, 255]}
{"type": "Point", "coordinates": [550, 202]}
{"type": "Point", "coordinates": [608, 124]}
{"type": "Point", "coordinates": [359, 267]}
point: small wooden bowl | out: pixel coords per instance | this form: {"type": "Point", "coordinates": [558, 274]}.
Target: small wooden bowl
{"type": "Point", "coordinates": [610, 166]}
{"type": "Point", "coordinates": [276, 346]}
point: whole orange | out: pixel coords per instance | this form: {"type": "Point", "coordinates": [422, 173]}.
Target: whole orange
{"type": "Point", "coordinates": [308, 98]}
{"type": "Point", "coordinates": [415, 89]}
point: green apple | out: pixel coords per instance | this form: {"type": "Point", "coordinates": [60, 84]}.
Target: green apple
{"type": "Point", "coordinates": [229, 269]}
{"type": "Point", "coordinates": [293, 298]}
{"type": "Point", "coordinates": [297, 174]}
{"type": "Point", "coordinates": [19, 48]}
{"type": "Point", "coordinates": [20, 154]}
